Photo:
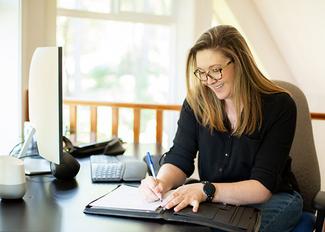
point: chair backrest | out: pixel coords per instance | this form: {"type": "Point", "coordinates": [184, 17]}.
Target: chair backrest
{"type": "Point", "coordinates": [304, 159]}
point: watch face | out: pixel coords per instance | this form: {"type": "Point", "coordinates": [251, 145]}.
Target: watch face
{"type": "Point", "coordinates": [209, 190]}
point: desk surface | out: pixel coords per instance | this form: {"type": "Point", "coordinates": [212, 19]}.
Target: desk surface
{"type": "Point", "coordinates": [53, 205]}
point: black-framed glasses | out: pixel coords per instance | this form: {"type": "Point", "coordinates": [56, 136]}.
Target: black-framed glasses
{"type": "Point", "coordinates": [215, 72]}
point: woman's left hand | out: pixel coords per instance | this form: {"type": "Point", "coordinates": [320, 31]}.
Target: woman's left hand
{"type": "Point", "coordinates": [190, 194]}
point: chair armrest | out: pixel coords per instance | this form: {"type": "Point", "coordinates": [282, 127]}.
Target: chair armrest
{"type": "Point", "coordinates": [319, 201]}
{"type": "Point", "coordinates": [319, 205]}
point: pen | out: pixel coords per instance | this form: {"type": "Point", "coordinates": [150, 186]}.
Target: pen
{"type": "Point", "coordinates": [152, 170]}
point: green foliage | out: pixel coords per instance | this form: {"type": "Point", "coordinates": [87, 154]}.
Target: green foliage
{"type": "Point", "coordinates": [103, 76]}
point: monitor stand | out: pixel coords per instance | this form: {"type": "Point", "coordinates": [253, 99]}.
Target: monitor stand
{"type": "Point", "coordinates": [33, 165]}
{"type": "Point", "coordinates": [36, 166]}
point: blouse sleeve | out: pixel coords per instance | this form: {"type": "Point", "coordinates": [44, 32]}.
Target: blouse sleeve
{"type": "Point", "coordinates": [273, 153]}
{"type": "Point", "coordinates": [184, 149]}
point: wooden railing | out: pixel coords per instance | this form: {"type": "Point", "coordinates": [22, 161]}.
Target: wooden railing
{"type": "Point", "coordinates": [317, 116]}
{"type": "Point", "coordinates": [137, 108]}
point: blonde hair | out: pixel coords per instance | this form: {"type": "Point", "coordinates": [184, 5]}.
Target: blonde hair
{"type": "Point", "coordinates": [249, 83]}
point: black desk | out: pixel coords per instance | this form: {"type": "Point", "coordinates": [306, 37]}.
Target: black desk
{"type": "Point", "coordinates": [52, 205]}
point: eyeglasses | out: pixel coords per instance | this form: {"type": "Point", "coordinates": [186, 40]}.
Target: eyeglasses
{"type": "Point", "coordinates": [214, 73]}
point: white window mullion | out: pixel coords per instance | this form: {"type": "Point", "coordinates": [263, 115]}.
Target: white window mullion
{"type": "Point", "coordinates": [122, 16]}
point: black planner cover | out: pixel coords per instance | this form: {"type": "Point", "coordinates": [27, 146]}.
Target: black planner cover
{"type": "Point", "coordinates": [214, 215]}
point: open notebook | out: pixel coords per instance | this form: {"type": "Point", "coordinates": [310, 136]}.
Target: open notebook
{"type": "Point", "coordinates": [126, 201]}
{"type": "Point", "coordinates": [126, 197]}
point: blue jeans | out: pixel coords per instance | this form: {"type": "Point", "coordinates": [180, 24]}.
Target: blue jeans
{"type": "Point", "coordinates": [281, 212]}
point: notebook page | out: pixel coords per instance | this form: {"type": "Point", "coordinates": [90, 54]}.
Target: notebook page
{"type": "Point", "coordinates": [126, 197]}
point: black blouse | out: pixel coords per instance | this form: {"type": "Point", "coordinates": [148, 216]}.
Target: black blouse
{"type": "Point", "coordinates": [222, 157]}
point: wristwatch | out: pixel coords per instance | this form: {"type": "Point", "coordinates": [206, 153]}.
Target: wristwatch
{"type": "Point", "coordinates": [209, 189]}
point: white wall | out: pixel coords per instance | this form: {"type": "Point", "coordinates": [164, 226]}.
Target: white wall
{"type": "Point", "coordinates": [9, 75]}
{"type": "Point", "coordinates": [38, 29]}
{"type": "Point", "coordinates": [298, 30]}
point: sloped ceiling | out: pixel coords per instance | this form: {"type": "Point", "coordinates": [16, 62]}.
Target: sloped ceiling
{"type": "Point", "coordinates": [298, 29]}
{"type": "Point", "coordinates": [289, 39]}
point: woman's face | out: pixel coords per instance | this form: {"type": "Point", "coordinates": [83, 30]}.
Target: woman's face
{"type": "Point", "coordinates": [212, 61]}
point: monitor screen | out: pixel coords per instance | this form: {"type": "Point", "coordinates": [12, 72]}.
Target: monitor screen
{"type": "Point", "coordinates": [45, 102]}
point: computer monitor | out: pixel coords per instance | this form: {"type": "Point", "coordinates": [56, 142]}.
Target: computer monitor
{"type": "Point", "coordinates": [45, 111]}
{"type": "Point", "coordinates": [45, 101]}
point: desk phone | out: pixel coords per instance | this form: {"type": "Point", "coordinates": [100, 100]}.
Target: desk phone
{"type": "Point", "coordinates": [106, 168]}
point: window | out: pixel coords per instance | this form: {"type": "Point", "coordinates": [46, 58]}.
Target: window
{"type": "Point", "coordinates": [117, 50]}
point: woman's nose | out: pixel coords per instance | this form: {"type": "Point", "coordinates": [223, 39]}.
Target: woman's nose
{"type": "Point", "coordinates": [210, 80]}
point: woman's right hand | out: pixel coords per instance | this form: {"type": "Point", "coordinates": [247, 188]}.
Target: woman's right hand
{"type": "Point", "coordinates": [152, 189]}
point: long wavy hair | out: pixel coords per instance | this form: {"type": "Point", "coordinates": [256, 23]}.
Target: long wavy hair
{"type": "Point", "coordinates": [249, 83]}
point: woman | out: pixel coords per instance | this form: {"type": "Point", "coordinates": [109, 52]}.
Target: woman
{"type": "Point", "coordinates": [241, 125]}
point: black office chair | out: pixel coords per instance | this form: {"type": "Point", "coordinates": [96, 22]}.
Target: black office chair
{"type": "Point", "coordinates": [305, 164]}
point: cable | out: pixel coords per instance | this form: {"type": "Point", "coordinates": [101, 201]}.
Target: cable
{"type": "Point", "coordinates": [15, 148]}
{"type": "Point", "coordinates": [31, 155]}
